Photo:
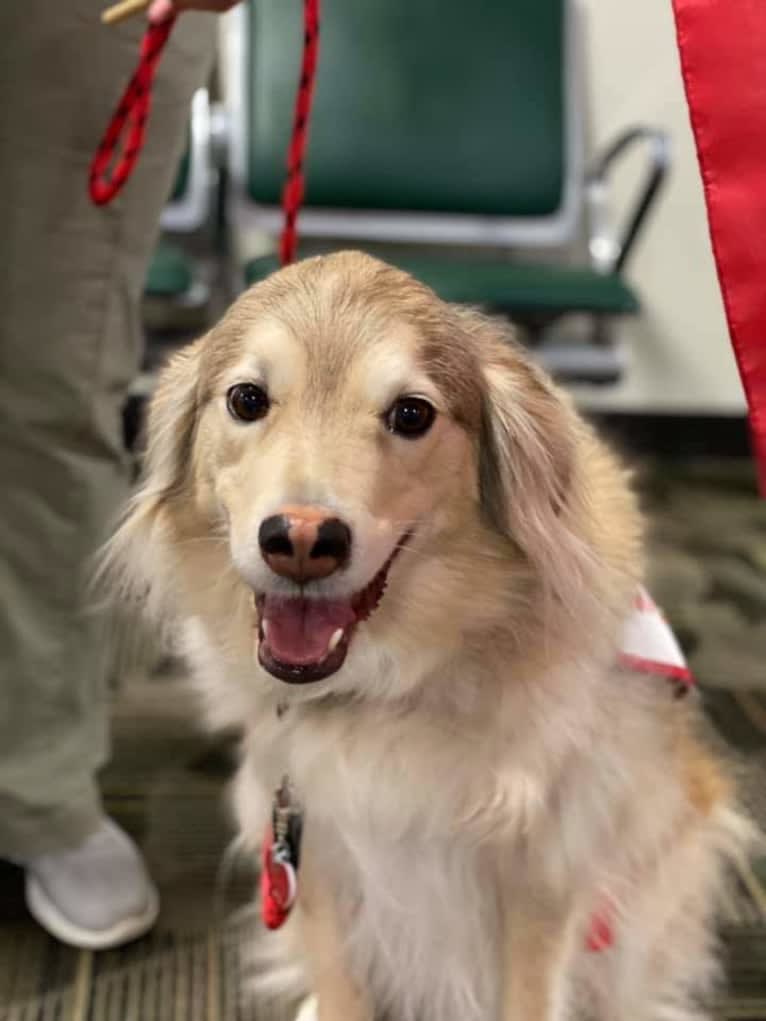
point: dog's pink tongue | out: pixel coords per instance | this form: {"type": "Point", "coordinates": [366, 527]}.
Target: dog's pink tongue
{"type": "Point", "coordinates": [298, 631]}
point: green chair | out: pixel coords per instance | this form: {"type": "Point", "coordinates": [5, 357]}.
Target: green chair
{"type": "Point", "coordinates": [451, 133]}
{"type": "Point", "coordinates": [170, 272]}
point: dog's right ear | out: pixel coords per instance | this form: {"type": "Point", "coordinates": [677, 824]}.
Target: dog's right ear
{"type": "Point", "coordinates": [171, 422]}
{"type": "Point", "coordinates": [129, 566]}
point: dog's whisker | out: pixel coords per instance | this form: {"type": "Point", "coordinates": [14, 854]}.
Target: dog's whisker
{"type": "Point", "coordinates": [470, 555]}
{"type": "Point", "coordinates": [211, 540]}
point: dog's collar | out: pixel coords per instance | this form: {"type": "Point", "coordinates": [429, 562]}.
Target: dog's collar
{"type": "Point", "coordinates": [329, 700]}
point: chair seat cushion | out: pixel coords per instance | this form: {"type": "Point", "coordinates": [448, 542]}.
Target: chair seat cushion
{"type": "Point", "coordinates": [520, 289]}
{"type": "Point", "coordinates": [170, 273]}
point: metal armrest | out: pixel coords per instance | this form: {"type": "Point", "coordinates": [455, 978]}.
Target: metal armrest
{"type": "Point", "coordinates": [190, 212]}
{"type": "Point", "coordinates": [609, 250]}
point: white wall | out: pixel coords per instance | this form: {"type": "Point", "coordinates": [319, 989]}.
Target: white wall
{"type": "Point", "coordinates": [681, 357]}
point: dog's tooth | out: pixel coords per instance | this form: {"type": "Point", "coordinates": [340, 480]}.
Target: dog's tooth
{"type": "Point", "coordinates": [336, 637]}
{"type": "Point", "coordinates": [265, 628]}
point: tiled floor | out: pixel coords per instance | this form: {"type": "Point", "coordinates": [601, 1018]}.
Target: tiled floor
{"type": "Point", "coordinates": [166, 785]}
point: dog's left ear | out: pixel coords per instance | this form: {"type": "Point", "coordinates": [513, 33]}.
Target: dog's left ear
{"type": "Point", "coordinates": [526, 458]}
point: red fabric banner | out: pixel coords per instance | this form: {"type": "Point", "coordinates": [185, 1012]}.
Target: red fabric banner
{"type": "Point", "coordinates": [723, 58]}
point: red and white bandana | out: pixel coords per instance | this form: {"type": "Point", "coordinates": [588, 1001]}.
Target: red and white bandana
{"type": "Point", "coordinates": [649, 645]}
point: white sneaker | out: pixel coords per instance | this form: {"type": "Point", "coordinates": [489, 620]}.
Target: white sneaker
{"type": "Point", "coordinates": [308, 1010]}
{"type": "Point", "coordinates": [94, 896]}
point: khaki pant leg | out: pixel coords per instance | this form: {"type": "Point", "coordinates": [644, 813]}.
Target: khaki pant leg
{"type": "Point", "coordinates": [70, 341]}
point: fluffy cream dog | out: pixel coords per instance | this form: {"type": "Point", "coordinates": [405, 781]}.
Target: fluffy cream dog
{"type": "Point", "coordinates": [401, 564]}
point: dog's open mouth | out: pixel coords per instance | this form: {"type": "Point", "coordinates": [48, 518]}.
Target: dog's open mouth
{"type": "Point", "coordinates": [302, 639]}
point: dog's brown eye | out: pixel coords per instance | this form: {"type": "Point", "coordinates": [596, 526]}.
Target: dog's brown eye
{"type": "Point", "coordinates": [247, 402]}
{"type": "Point", "coordinates": [410, 417]}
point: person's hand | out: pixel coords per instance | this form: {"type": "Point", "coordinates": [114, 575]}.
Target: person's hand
{"type": "Point", "coordinates": [159, 10]}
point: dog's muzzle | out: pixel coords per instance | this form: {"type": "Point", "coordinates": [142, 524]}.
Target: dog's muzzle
{"type": "Point", "coordinates": [302, 639]}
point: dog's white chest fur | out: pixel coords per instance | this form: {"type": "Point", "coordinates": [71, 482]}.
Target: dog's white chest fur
{"type": "Point", "coordinates": [421, 924]}
{"type": "Point", "coordinates": [417, 898]}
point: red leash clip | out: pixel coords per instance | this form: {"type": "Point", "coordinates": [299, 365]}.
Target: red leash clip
{"type": "Point", "coordinates": [130, 116]}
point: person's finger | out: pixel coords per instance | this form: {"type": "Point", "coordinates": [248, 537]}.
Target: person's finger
{"type": "Point", "coordinates": [160, 10]}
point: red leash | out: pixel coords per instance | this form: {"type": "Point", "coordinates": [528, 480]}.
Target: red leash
{"type": "Point", "coordinates": [295, 185]}
{"type": "Point", "coordinates": [132, 114]}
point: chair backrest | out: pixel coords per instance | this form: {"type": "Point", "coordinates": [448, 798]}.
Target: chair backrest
{"type": "Point", "coordinates": [463, 117]}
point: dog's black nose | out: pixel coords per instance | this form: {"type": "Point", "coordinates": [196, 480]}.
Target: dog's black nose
{"type": "Point", "coordinates": [304, 543]}
{"type": "Point", "coordinates": [274, 537]}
